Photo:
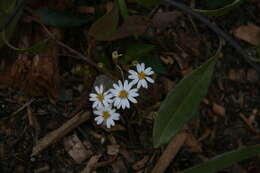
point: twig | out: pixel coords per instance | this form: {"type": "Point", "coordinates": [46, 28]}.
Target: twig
{"type": "Point", "coordinates": [217, 30]}
{"type": "Point", "coordinates": [169, 153]}
{"type": "Point", "coordinates": [57, 134]}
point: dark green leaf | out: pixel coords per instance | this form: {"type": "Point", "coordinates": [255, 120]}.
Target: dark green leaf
{"type": "Point", "coordinates": [6, 7]}
{"type": "Point", "coordinates": [104, 27]}
{"type": "Point", "coordinates": [224, 160]}
{"type": "Point", "coordinates": [123, 9]}
{"type": "Point", "coordinates": [149, 3]}
{"type": "Point", "coordinates": [34, 49]}
{"type": "Point", "coordinates": [221, 11]}
{"type": "Point", "coordinates": [62, 19]}
{"type": "Point", "coordinates": [154, 62]}
{"type": "Point", "coordinates": [137, 50]}
{"type": "Point", "coordinates": [181, 103]}
{"type": "Point", "coordinates": [214, 4]}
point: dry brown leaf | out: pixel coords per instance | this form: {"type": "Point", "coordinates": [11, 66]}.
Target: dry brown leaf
{"type": "Point", "coordinates": [141, 163]}
{"type": "Point", "coordinates": [249, 33]}
{"type": "Point", "coordinates": [37, 75]}
{"type": "Point", "coordinates": [76, 148]}
{"type": "Point", "coordinates": [218, 109]}
{"type": "Point", "coordinates": [113, 149]}
{"type": "Point", "coordinates": [91, 164]}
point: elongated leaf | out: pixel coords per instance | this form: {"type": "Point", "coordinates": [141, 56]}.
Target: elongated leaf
{"type": "Point", "coordinates": [149, 3]}
{"type": "Point", "coordinates": [6, 8]}
{"type": "Point", "coordinates": [221, 11]}
{"type": "Point", "coordinates": [62, 19]}
{"type": "Point", "coordinates": [181, 103]}
{"type": "Point", "coordinates": [106, 25]}
{"type": "Point", "coordinates": [38, 47]}
{"type": "Point", "coordinates": [123, 9]}
{"type": "Point", "coordinates": [224, 160]}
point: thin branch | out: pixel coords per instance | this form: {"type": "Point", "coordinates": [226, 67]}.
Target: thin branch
{"type": "Point", "coordinates": [218, 31]}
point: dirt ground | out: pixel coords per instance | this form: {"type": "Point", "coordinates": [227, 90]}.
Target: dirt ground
{"type": "Point", "coordinates": [39, 96]}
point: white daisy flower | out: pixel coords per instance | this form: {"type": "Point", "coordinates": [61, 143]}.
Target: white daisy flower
{"type": "Point", "coordinates": [124, 93]}
{"type": "Point", "coordinates": [100, 98]}
{"type": "Point", "coordinates": [106, 115]}
{"type": "Point", "coordinates": [141, 76]}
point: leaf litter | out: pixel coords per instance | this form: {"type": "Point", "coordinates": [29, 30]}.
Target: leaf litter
{"type": "Point", "coordinates": [42, 125]}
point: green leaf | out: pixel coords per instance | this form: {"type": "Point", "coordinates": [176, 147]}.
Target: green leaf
{"type": "Point", "coordinates": [62, 19]}
{"type": "Point", "coordinates": [154, 62]}
{"type": "Point", "coordinates": [182, 102]}
{"type": "Point", "coordinates": [214, 4]}
{"type": "Point", "coordinates": [6, 7]}
{"type": "Point", "coordinates": [224, 160]}
{"type": "Point", "coordinates": [104, 27]}
{"type": "Point", "coordinates": [221, 11]}
{"type": "Point", "coordinates": [123, 9]}
{"type": "Point", "coordinates": [149, 3]}
{"type": "Point", "coordinates": [137, 50]}
{"type": "Point", "coordinates": [38, 47]}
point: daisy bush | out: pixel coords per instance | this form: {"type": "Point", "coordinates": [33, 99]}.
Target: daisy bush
{"type": "Point", "coordinates": [121, 96]}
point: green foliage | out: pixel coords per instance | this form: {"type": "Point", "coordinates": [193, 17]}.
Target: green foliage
{"type": "Point", "coordinates": [62, 19]}
{"type": "Point", "coordinates": [149, 3]}
{"type": "Point", "coordinates": [103, 28]}
{"type": "Point", "coordinates": [6, 8]}
{"type": "Point", "coordinates": [223, 10]}
{"type": "Point", "coordinates": [155, 62]}
{"type": "Point", "coordinates": [38, 47]}
{"type": "Point", "coordinates": [214, 4]}
{"type": "Point", "coordinates": [181, 103]}
{"type": "Point", "coordinates": [123, 9]}
{"type": "Point", "coordinates": [224, 160]}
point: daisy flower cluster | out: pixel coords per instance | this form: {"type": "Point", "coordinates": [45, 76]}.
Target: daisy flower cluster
{"type": "Point", "coordinates": [123, 93]}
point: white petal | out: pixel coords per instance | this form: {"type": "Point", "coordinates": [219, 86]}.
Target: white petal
{"type": "Point", "coordinates": [114, 92]}
{"type": "Point", "coordinates": [123, 104]}
{"type": "Point", "coordinates": [142, 66]}
{"type": "Point", "coordinates": [149, 73]}
{"type": "Point", "coordinates": [97, 112]}
{"type": "Point", "coordinates": [116, 86]}
{"type": "Point", "coordinates": [108, 124]}
{"type": "Point", "coordinates": [126, 85]}
{"type": "Point", "coordinates": [138, 67]}
{"type": "Point", "coordinates": [101, 89]}
{"type": "Point", "coordinates": [133, 100]}
{"type": "Point", "coordinates": [132, 77]}
{"type": "Point", "coordinates": [120, 84]}
{"type": "Point", "coordinates": [133, 82]}
{"type": "Point", "coordinates": [144, 83]}
{"type": "Point", "coordinates": [127, 104]}
{"type": "Point", "coordinates": [133, 72]}
{"type": "Point", "coordinates": [97, 89]}
{"type": "Point", "coordinates": [93, 95]}
{"type": "Point", "coordinates": [139, 84]}
{"type": "Point", "coordinates": [116, 116]}
{"type": "Point", "coordinates": [93, 99]}
{"type": "Point", "coordinates": [149, 79]}
{"type": "Point", "coordinates": [147, 70]}
{"type": "Point", "coordinates": [95, 104]}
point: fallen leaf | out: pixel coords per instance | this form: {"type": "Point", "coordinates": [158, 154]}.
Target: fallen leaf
{"type": "Point", "coordinates": [76, 148]}
{"type": "Point", "coordinates": [133, 25]}
{"type": "Point", "coordinates": [218, 109]}
{"type": "Point", "coordinates": [113, 149]}
{"type": "Point", "coordinates": [249, 33]}
{"type": "Point", "coordinates": [91, 164]}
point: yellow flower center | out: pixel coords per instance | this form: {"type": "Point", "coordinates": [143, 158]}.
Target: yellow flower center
{"type": "Point", "coordinates": [106, 115]}
{"type": "Point", "coordinates": [141, 75]}
{"type": "Point", "coordinates": [100, 97]}
{"type": "Point", "coordinates": [123, 94]}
